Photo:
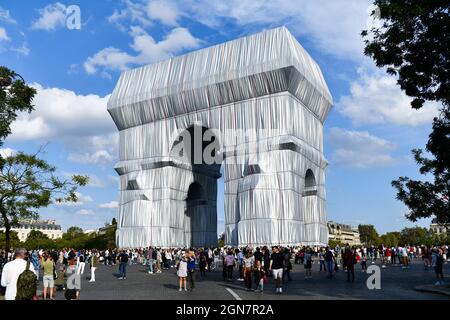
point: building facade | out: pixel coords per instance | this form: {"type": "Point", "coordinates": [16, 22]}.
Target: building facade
{"type": "Point", "coordinates": [343, 233]}
{"type": "Point", "coordinates": [439, 229]}
{"type": "Point", "coordinates": [261, 101]}
{"type": "Point", "coordinates": [47, 227]}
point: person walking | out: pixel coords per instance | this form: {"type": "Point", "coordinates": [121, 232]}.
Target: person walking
{"type": "Point", "coordinates": [240, 262]}
{"type": "Point", "coordinates": [81, 262]}
{"type": "Point", "coordinates": [182, 272]}
{"type": "Point", "coordinates": [123, 260]}
{"type": "Point", "coordinates": [276, 266]}
{"type": "Point", "coordinates": [49, 282]}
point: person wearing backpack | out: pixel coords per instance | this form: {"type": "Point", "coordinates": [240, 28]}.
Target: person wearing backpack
{"type": "Point", "coordinates": [19, 278]}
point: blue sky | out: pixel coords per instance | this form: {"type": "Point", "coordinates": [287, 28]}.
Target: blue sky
{"type": "Point", "coordinates": [368, 134]}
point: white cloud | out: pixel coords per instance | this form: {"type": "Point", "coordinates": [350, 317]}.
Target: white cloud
{"type": "Point", "coordinates": [5, 16]}
{"type": "Point", "coordinates": [359, 149]}
{"type": "Point", "coordinates": [7, 152]}
{"type": "Point", "coordinates": [376, 98]}
{"type": "Point", "coordinates": [165, 12]}
{"type": "Point", "coordinates": [109, 205]}
{"type": "Point", "coordinates": [24, 50]}
{"type": "Point", "coordinates": [333, 26]}
{"type": "Point", "coordinates": [86, 212]}
{"type": "Point", "coordinates": [81, 122]}
{"type": "Point", "coordinates": [4, 35]}
{"type": "Point", "coordinates": [147, 49]}
{"type": "Point", "coordinates": [132, 12]}
{"type": "Point", "coordinates": [51, 17]}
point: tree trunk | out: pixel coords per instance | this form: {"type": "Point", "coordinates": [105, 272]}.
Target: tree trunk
{"type": "Point", "coordinates": [7, 230]}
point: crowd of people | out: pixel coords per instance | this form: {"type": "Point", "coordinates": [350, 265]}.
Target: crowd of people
{"type": "Point", "coordinates": [62, 270]}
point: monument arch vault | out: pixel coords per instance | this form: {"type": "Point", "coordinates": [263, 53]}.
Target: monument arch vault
{"type": "Point", "coordinates": [274, 177]}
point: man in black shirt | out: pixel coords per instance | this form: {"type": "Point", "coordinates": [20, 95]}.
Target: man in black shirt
{"type": "Point", "coordinates": [276, 266]}
{"type": "Point", "coordinates": [123, 258]}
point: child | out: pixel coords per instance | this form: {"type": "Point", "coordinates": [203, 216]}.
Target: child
{"type": "Point", "coordinates": [182, 272]}
{"type": "Point", "coordinates": [260, 275]}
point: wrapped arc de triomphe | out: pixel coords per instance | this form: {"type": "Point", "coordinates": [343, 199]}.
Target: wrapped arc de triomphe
{"type": "Point", "coordinates": [265, 85]}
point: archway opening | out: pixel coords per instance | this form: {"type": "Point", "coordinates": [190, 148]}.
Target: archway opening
{"type": "Point", "coordinates": [310, 184]}
{"type": "Point", "coordinates": [195, 148]}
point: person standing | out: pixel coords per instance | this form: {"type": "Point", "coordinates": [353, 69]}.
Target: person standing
{"type": "Point", "coordinates": [11, 272]}
{"type": "Point", "coordinates": [276, 266]}
{"type": "Point", "coordinates": [123, 260]}
{"type": "Point", "coordinates": [49, 282]}
{"type": "Point", "coordinates": [202, 261]}
{"type": "Point", "coordinates": [240, 261]}
{"type": "Point", "coordinates": [259, 275]}
{"type": "Point", "coordinates": [349, 263]}
{"type": "Point", "coordinates": [322, 261]}
{"type": "Point", "coordinates": [94, 264]}
{"type": "Point", "coordinates": [437, 262]}
{"type": "Point", "coordinates": [151, 256]}
{"type": "Point", "coordinates": [329, 259]}
{"type": "Point", "coordinates": [249, 262]}
{"type": "Point", "coordinates": [307, 260]}
{"type": "Point", "coordinates": [287, 264]}
{"type": "Point", "coordinates": [230, 262]}
{"type": "Point", "coordinates": [182, 273]}
{"type": "Point", "coordinates": [191, 269]}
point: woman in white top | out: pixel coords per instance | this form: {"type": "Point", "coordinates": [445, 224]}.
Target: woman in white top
{"type": "Point", "coordinates": [182, 273]}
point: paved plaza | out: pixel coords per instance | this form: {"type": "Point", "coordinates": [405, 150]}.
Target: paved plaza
{"type": "Point", "coordinates": [396, 283]}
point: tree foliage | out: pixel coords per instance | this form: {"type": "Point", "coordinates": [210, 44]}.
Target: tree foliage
{"type": "Point", "coordinates": [15, 97]}
{"type": "Point", "coordinates": [28, 183]}
{"type": "Point", "coordinates": [368, 234]}
{"type": "Point", "coordinates": [412, 43]}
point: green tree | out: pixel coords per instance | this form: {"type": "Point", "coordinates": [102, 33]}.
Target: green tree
{"type": "Point", "coordinates": [390, 239]}
{"type": "Point", "coordinates": [414, 236]}
{"type": "Point", "coordinates": [72, 233]}
{"type": "Point", "coordinates": [412, 43]}
{"type": "Point", "coordinates": [368, 234]}
{"type": "Point", "coordinates": [114, 221]}
{"type": "Point", "coordinates": [14, 239]}
{"type": "Point", "coordinates": [15, 96]}
{"type": "Point", "coordinates": [38, 240]}
{"type": "Point", "coordinates": [28, 183]}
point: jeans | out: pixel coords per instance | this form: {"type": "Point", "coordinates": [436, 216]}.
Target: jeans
{"type": "Point", "coordinates": [123, 269]}
{"type": "Point", "coordinates": [322, 265]}
{"type": "Point", "coordinates": [229, 272]}
{"type": "Point", "coordinates": [330, 267]}
{"type": "Point", "coordinates": [150, 265]}
{"type": "Point", "coordinates": [93, 274]}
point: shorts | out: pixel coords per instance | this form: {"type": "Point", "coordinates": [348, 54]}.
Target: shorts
{"type": "Point", "coordinates": [277, 273]}
{"type": "Point", "coordinates": [49, 281]}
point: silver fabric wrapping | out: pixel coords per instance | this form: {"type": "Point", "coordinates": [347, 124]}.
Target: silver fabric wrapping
{"type": "Point", "coordinates": [266, 83]}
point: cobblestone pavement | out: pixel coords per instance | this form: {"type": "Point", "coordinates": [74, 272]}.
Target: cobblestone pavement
{"type": "Point", "coordinates": [396, 283]}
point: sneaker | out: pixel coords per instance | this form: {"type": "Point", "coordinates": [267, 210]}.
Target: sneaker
{"type": "Point", "coordinates": [438, 283]}
{"type": "Point", "coordinates": [149, 272]}
{"type": "Point", "coordinates": [185, 289]}
{"type": "Point", "coordinates": [124, 278]}
{"type": "Point", "coordinates": [180, 289]}
{"type": "Point", "coordinates": [91, 280]}
{"type": "Point", "coordinates": [120, 278]}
